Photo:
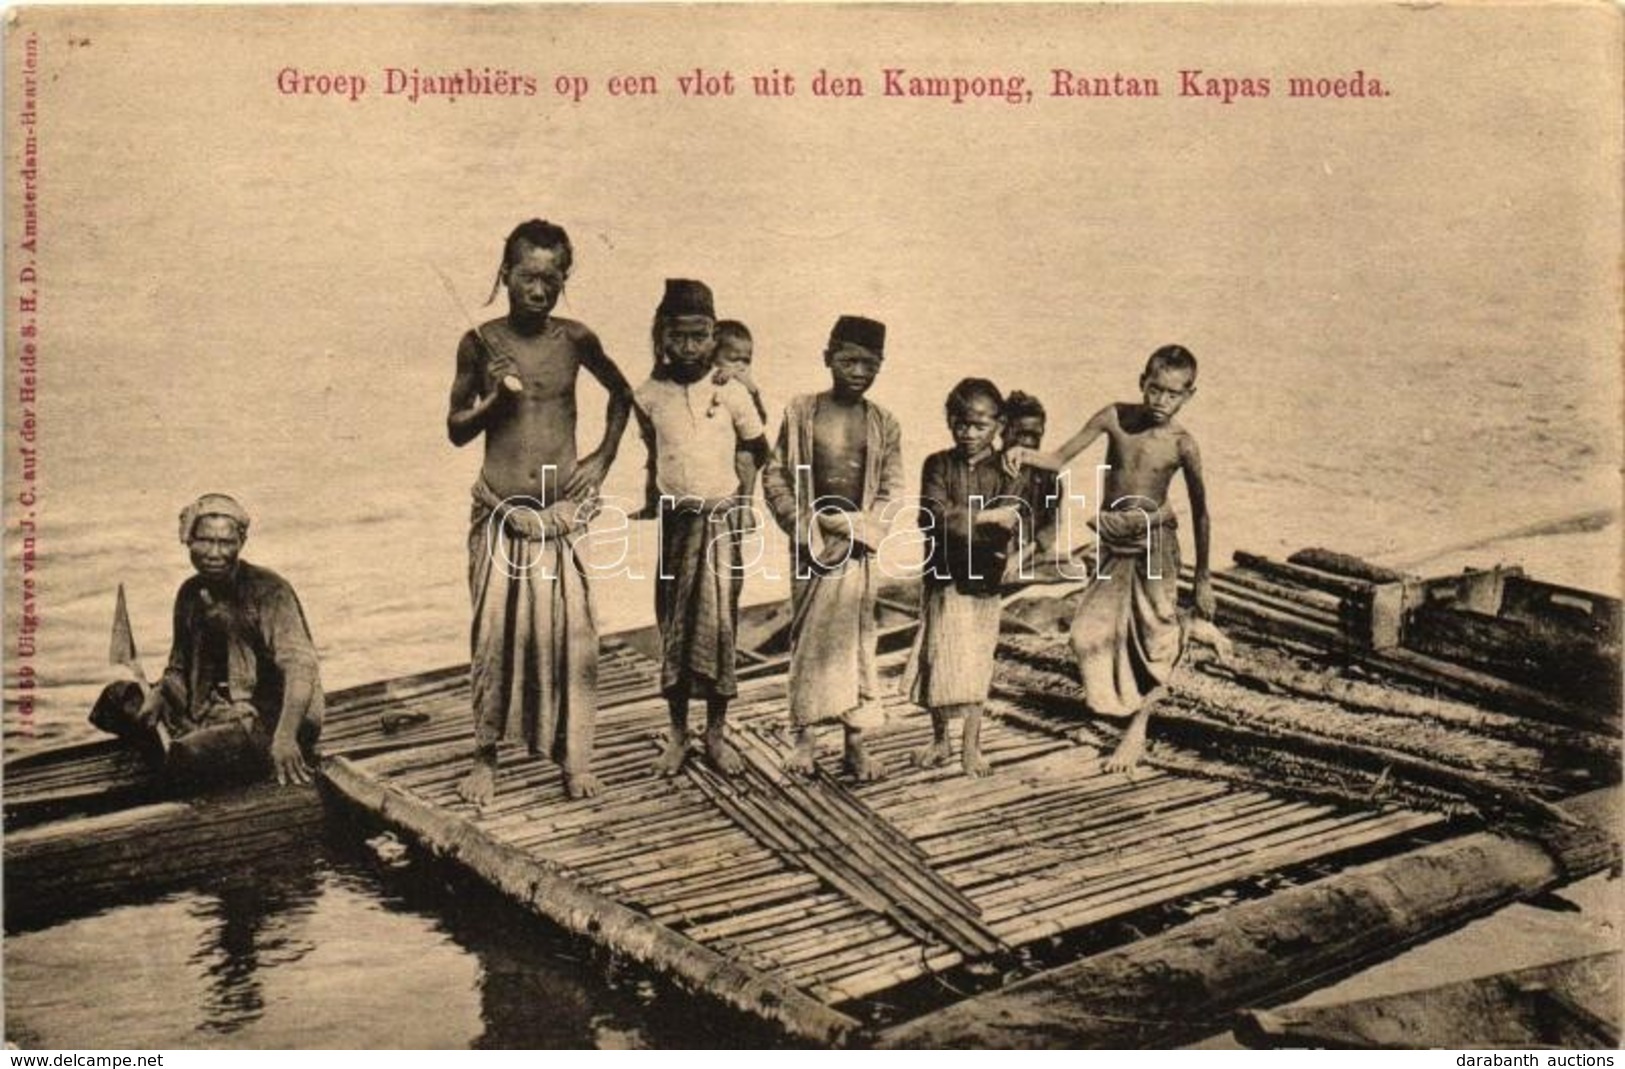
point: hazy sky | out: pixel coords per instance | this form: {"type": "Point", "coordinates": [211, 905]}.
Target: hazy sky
{"type": "Point", "coordinates": [1407, 308]}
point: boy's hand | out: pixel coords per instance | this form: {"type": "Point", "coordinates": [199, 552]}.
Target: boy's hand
{"type": "Point", "coordinates": [527, 524]}
{"type": "Point", "coordinates": [744, 508]}
{"type": "Point", "coordinates": [1006, 518]}
{"type": "Point", "coordinates": [152, 705]}
{"type": "Point", "coordinates": [499, 366]}
{"type": "Point", "coordinates": [723, 375]}
{"type": "Point", "coordinates": [1202, 594]}
{"type": "Point", "coordinates": [588, 476]}
{"type": "Point", "coordinates": [1015, 458]}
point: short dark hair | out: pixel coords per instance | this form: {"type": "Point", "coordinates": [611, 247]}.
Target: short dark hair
{"type": "Point", "coordinates": [1173, 358]}
{"type": "Point", "coordinates": [543, 235]}
{"type": "Point", "coordinates": [968, 390]}
{"type": "Point", "coordinates": [1020, 405]}
{"type": "Point", "coordinates": [732, 328]}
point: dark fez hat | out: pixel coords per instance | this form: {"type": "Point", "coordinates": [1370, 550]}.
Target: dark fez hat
{"type": "Point", "coordinates": [686, 297]}
{"type": "Point", "coordinates": [870, 334]}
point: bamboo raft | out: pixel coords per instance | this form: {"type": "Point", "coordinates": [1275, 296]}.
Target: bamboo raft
{"type": "Point", "coordinates": [814, 903]}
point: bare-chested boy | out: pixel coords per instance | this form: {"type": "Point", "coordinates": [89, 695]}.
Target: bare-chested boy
{"type": "Point", "coordinates": [535, 645]}
{"type": "Point", "coordinates": [1126, 634]}
{"type": "Point", "coordinates": [838, 464]}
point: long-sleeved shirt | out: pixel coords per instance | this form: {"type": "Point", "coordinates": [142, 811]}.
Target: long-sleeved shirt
{"type": "Point", "coordinates": [242, 639]}
{"type": "Point", "coordinates": [952, 491]}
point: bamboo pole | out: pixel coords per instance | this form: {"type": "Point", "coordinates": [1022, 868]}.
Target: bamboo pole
{"type": "Point", "coordinates": [881, 851]}
{"type": "Point", "coordinates": [742, 925]}
{"type": "Point", "coordinates": [545, 890]}
{"type": "Point", "coordinates": [1185, 982]}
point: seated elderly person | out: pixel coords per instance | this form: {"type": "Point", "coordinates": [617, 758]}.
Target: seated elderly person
{"type": "Point", "coordinates": [241, 693]}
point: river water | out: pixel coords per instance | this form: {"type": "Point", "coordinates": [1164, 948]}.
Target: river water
{"type": "Point", "coordinates": [1407, 319]}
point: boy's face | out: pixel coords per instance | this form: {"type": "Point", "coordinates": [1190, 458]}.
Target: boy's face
{"type": "Point", "coordinates": [1028, 432]}
{"type": "Point", "coordinates": [1165, 391]}
{"type": "Point", "coordinates": [974, 426]}
{"type": "Point", "coordinates": [852, 369]}
{"type": "Point", "coordinates": [734, 353]}
{"type": "Point", "coordinates": [688, 342]}
{"type": "Point", "coordinates": [535, 280]}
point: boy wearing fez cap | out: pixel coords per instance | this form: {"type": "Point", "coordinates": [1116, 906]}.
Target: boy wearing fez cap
{"type": "Point", "coordinates": [695, 424]}
{"type": "Point", "coordinates": [838, 464]}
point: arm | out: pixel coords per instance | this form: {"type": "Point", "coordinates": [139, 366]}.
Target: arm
{"type": "Point", "coordinates": [779, 483]}
{"type": "Point", "coordinates": [470, 414]}
{"type": "Point", "coordinates": [1190, 461]}
{"type": "Point", "coordinates": [748, 427]}
{"type": "Point", "coordinates": [172, 688]}
{"type": "Point", "coordinates": [752, 451]}
{"type": "Point", "coordinates": [288, 641]}
{"type": "Point", "coordinates": [651, 485]}
{"type": "Point", "coordinates": [1098, 424]}
{"type": "Point", "coordinates": [952, 518]}
{"type": "Point", "coordinates": [592, 468]}
{"type": "Point", "coordinates": [746, 463]}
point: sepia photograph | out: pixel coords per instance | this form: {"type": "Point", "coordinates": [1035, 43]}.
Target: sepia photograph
{"type": "Point", "coordinates": [896, 525]}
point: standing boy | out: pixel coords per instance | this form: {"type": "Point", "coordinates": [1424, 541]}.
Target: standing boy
{"type": "Point", "coordinates": [838, 464]}
{"type": "Point", "coordinates": [696, 425]}
{"type": "Point", "coordinates": [1126, 634]}
{"type": "Point", "coordinates": [535, 646]}
{"type": "Point", "coordinates": [971, 514]}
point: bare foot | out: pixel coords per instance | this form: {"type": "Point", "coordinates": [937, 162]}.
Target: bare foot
{"type": "Point", "coordinates": [721, 755]}
{"type": "Point", "coordinates": [864, 768]}
{"type": "Point", "coordinates": [581, 784]}
{"type": "Point", "coordinates": [934, 753]}
{"type": "Point", "coordinates": [974, 764]}
{"type": "Point", "coordinates": [1128, 753]}
{"type": "Point", "coordinates": [670, 761]}
{"type": "Point", "coordinates": [803, 760]}
{"type": "Point", "coordinates": [479, 786]}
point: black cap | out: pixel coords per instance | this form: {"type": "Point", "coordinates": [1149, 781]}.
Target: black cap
{"type": "Point", "coordinates": [686, 297]}
{"type": "Point", "coordinates": [869, 334]}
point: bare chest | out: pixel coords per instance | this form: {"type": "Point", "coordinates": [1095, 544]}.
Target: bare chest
{"type": "Point", "coordinates": [839, 454]}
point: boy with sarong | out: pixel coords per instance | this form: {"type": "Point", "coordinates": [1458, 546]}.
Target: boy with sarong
{"type": "Point", "coordinates": [534, 665]}
{"type": "Point", "coordinates": [971, 515]}
{"type": "Point", "coordinates": [696, 425]}
{"type": "Point", "coordinates": [1126, 633]}
{"type": "Point", "coordinates": [838, 464]}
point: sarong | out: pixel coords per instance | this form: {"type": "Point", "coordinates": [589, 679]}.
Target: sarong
{"type": "Point", "coordinates": [534, 671]}
{"type": "Point", "coordinates": [832, 647]}
{"type": "Point", "coordinates": [1125, 632]}
{"type": "Point", "coordinates": [697, 600]}
{"type": "Point", "coordinates": [952, 660]}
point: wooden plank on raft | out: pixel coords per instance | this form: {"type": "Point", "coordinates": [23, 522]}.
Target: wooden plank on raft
{"type": "Point", "coordinates": [540, 887]}
{"type": "Point", "coordinates": [842, 842]}
{"type": "Point", "coordinates": [1184, 982]}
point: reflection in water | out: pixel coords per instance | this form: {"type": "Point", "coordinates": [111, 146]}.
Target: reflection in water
{"type": "Point", "coordinates": [254, 921]}
{"type": "Point", "coordinates": [325, 946]}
